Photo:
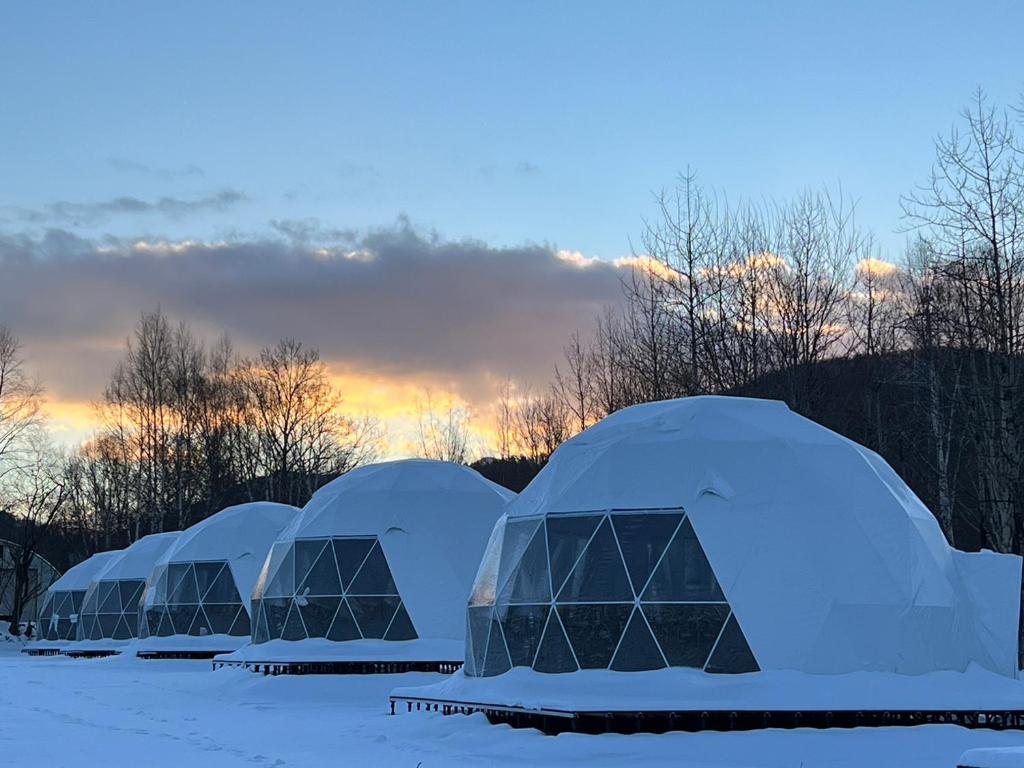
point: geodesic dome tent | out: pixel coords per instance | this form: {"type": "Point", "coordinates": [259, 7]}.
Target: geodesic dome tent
{"type": "Point", "coordinates": [197, 597]}
{"type": "Point", "coordinates": [731, 535]}
{"type": "Point", "coordinates": [58, 620]}
{"type": "Point", "coordinates": [383, 553]}
{"type": "Point", "coordinates": [110, 610]}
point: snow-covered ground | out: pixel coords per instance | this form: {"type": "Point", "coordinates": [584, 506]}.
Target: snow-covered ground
{"type": "Point", "coordinates": [123, 711]}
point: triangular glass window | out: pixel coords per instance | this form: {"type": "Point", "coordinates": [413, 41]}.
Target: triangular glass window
{"type": "Point", "coordinates": [282, 583]}
{"type": "Point", "coordinates": [373, 614]}
{"type": "Point", "coordinates": [221, 617]}
{"type": "Point", "coordinates": [262, 633]}
{"type": "Point", "coordinates": [599, 574]}
{"type": "Point", "coordinates": [207, 574]}
{"type": "Point", "coordinates": [306, 553]}
{"type": "Point", "coordinates": [496, 661]}
{"type": "Point", "coordinates": [130, 592]}
{"type": "Point", "coordinates": [242, 626]}
{"type": "Point", "coordinates": [374, 577]}
{"type": "Point", "coordinates": [401, 626]}
{"type": "Point", "coordinates": [293, 629]}
{"type": "Point", "coordinates": [686, 633]}
{"type": "Point", "coordinates": [554, 654]}
{"type": "Point", "coordinates": [350, 554]}
{"type": "Point", "coordinates": [109, 599]}
{"type": "Point", "coordinates": [200, 625]}
{"type": "Point", "coordinates": [223, 589]}
{"type": "Point", "coordinates": [594, 631]}
{"type": "Point", "coordinates": [275, 610]}
{"type": "Point", "coordinates": [530, 582]}
{"type": "Point", "coordinates": [322, 578]}
{"type": "Point", "coordinates": [187, 591]}
{"type": "Point", "coordinates": [318, 612]}
{"type": "Point", "coordinates": [108, 623]}
{"type": "Point", "coordinates": [643, 538]}
{"type": "Point", "coordinates": [344, 626]}
{"type": "Point", "coordinates": [122, 631]}
{"type": "Point", "coordinates": [567, 538]}
{"type": "Point", "coordinates": [479, 629]}
{"type": "Point", "coordinates": [637, 651]}
{"type": "Point", "coordinates": [518, 535]}
{"type": "Point", "coordinates": [523, 626]}
{"type": "Point", "coordinates": [684, 573]}
{"type": "Point", "coordinates": [182, 617]}
{"type": "Point", "coordinates": [732, 655]}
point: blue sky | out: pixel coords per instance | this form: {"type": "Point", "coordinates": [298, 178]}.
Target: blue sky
{"type": "Point", "coordinates": [238, 141]}
{"type": "Point", "coordinates": [517, 122]}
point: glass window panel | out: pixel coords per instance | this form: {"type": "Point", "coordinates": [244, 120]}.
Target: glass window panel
{"type": "Point", "coordinates": [306, 553]}
{"type": "Point", "coordinates": [350, 554]}
{"type": "Point", "coordinates": [323, 577]}
{"type": "Point", "coordinates": [223, 589]}
{"type": "Point", "coordinates": [732, 655]}
{"type": "Point", "coordinates": [496, 660]}
{"type": "Point", "coordinates": [109, 599]}
{"type": "Point", "coordinates": [374, 577]}
{"type": "Point", "coordinates": [122, 631]}
{"type": "Point", "coordinates": [469, 662]}
{"type": "Point", "coordinates": [594, 631]}
{"type": "Point", "coordinates": [318, 613]}
{"type": "Point", "coordinates": [567, 537]}
{"type": "Point", "coordinates": [77, 597]}
{"type": "Point", "coordinates": [401, 626]}
{"type": "Point", "coordinates": [276, 611]}
{"type": "Point", "coordinates": [262, 634]}
{"type": "Point", "coordinates": [181, 617]}
{"type": "Point", "coordinates": [206, 575]}
{"type": "Point", "coordinates": [200, 624]}
{"type": "Point", "coordinates": [242, 626]}
{"type": "Point", "coordinates": [684, 573]}
{"type": "Point", "coordinates": [95, 630]}
{"type": "Point", "coordinates": [530, 582]}
{"type": "Point", "coordinates": [373, 614]}
{"type": "Point", "coordinates": [479, 628]}
{"type": "Point", "coordinates": [518, 535]}
{"type": "Point", "coordinates": [131, 591]}
{"type": "Point", "coordinates": [637, 651]}
{"type": "Point", "coordinates": [108, 623]}
{"type": "Point", "coordinates": [293, 629]}
{"type": "Point", "coordinates": [554, 654]}
{"type": "Point", "coordinates": [186, 591]}
{"type": "Point", "coordinates": [600, 573]}
{"type": "Point", "coordinates": [485, 583]}
{"type": "Point", "coordinates": [175, 573]}
{"type": "Point", "coordinates": [220, 617]}
{"type": "Point", "coordinates": [282, 582]}
{"type": "Point", "coordinates": [166, 626]}
{"type": "Point", "coordinates": [524, 627]}
{"type": "Point", "coordinates": [642, 538]}
{"type": "Point", "coordinates": [344, 626]}
{"type": "Point", "coordinates": [686, 633]}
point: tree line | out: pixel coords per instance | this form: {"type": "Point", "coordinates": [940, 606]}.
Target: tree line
{"type": "Point", "coordinates": [185, 429]}
{"type": "Point", "coordinates": [775, 299]}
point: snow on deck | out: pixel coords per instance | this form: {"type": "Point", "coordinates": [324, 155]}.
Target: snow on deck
{"type": "Point", "coordinates": [122, 711]}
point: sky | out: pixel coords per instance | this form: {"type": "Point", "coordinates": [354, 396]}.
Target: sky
{"type": "Point", "coordinates": [434, 194]}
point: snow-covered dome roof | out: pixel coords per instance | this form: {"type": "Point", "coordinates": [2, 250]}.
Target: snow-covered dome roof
{"type": "Point", "coordinates": [794, 548]}
{"type": "Point", "coordinates": [79, 577]}
{"type": "Point", "coordinates": [136, 561]}
{"type": "Point", "coordinates": [386, 551]}
{"type": "Point", "coordinates": [241, 534]}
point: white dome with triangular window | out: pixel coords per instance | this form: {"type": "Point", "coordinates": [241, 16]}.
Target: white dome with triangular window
{"type": "Point", "coordinates": [731, 535]}
{"type": "Point", "coordinates": [109, 618]}
{"type": "Point", "coordinates": [197, 597]}
{"type": "Point", "coordinates": [57, 622]}
{"type": "Point", "coordinates": [377, 566]}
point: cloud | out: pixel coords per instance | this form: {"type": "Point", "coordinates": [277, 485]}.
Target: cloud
{"type": "Point", "coordinates": [90, 214]}
{"type": "Point", "coordinates": [125, 165]}
{"type": "Point", "coordinates": [391, 304]}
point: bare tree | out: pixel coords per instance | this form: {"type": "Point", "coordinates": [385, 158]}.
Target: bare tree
{"type": "Point", "coordinates": [20, 406]}
{"type": "Point", "coordinates": [443, 431]}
